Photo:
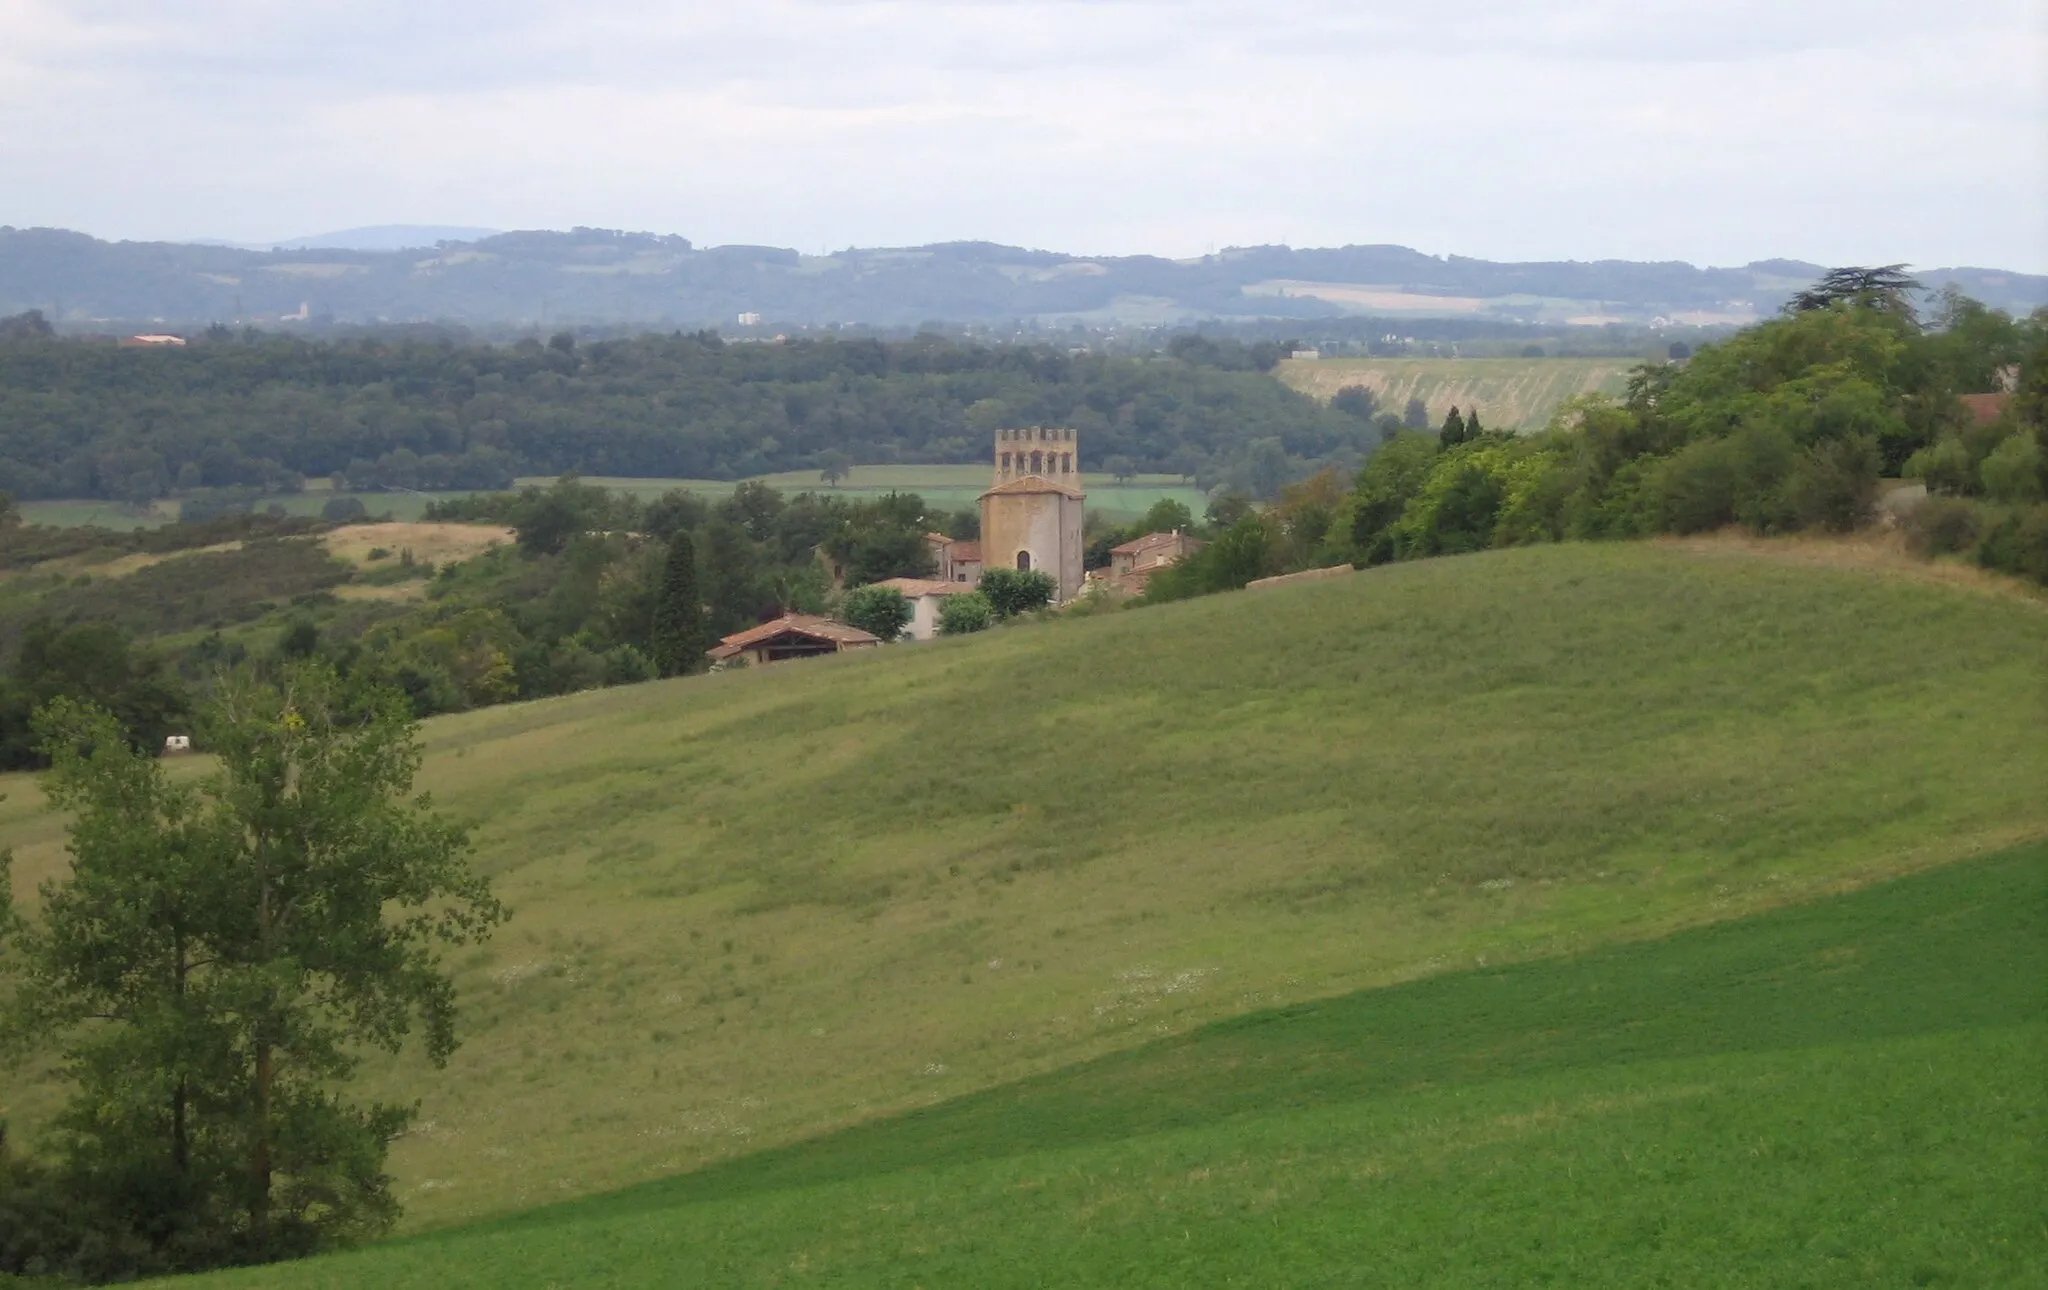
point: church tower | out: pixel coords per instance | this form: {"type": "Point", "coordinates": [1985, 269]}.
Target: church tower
{"type": "Point", "coordinates": [1031, 515]}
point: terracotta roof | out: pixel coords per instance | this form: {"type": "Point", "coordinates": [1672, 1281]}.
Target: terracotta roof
{"type": "Point", "coordinates": [1150, 542]}
{"type": "Point", "coordinates": [915, 587]}
{"type": "Point", "coordinates": [1029, 484]}
{"type": "Point", "coordinates": [966, 551]}
{"type": "Point", "coordinates": [796, 625]}
{"type": "Point", "coordinates": [1985, 408]}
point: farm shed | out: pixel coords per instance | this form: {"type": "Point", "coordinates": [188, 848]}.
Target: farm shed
{"type": "Point", "coordinates": [791, 636]}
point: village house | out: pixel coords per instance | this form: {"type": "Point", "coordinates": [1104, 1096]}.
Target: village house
{"type": "Point", "coordinates": [927, 596]}
{"type": "Point", "coordinates": [954, 561]}
{"type": "Point", "coordinates": [1132, 565]}
{"type": "Point", "coordinates": [791, 636]}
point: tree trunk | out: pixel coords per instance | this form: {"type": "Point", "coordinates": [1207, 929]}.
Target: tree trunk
{"type": "Point", "coordinates": [181, 1148]}
{"type": "Point", "coordinates": [259, 1156]}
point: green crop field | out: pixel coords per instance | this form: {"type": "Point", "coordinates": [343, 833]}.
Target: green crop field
{"type": "Point", "coordinates": [759, 907]}
{"type": "Point", "coordinates": [1510, 393]}
{"type": "Point", "coordinates": [1852, 1092]}
{"type": "Point", "coordinates": [944, 487]}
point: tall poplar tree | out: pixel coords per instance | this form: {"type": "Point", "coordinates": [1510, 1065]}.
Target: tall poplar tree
{"type": "Point", "coordinates": [678, 638]}
{"type": "Point", "coordinates": [217, 956]}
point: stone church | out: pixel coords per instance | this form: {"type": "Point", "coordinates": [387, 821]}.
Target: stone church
{"type": "Point", "coordinates": [1031, 515]}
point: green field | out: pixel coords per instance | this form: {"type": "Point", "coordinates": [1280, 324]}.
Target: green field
{"type": "Point", "coordinates": [944, 487]}
{"type": "Point", "coordinates": [71, 513]}
{"type": "Point", "coordinates": [1510, 393]}
{"type": "Point", "coordinates": [761, 906]}
{"type": "Point", "coordinates": [1852, 1092]}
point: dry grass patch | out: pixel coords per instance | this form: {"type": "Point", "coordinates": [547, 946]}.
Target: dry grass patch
{"type": "Point", "coordinates": [441, 543]}
{"type": "Point", "coordinates": [1869, 551]}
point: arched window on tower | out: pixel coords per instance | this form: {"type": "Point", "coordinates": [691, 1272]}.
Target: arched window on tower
{"type": "Point", "coordinates": [1024, 560]}
{"type": "Point", "coordinates": [1037, 463]}
{"type": "Point", "coordinates": [1066, 463]}
{"type": "Point", "coordinates": [1006, 463]}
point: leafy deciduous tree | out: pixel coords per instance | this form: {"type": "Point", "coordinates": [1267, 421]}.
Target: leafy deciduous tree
{"type": "Point", "coordinates": [217, 953]}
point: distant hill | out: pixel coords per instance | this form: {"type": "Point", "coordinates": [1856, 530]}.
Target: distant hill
{"type": "Point", "coordinates": [386, 237]}
{"type": "Point", "coordinates": [600, 275]}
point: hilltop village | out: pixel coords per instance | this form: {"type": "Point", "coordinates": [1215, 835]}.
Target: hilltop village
{"type": "Point", "coordinates": [1032, 520]}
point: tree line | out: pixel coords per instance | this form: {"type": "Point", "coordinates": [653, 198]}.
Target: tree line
{"type": "Point", "coordinates": [264, 412]}
{"type": "Point", "coordinates": [1791, 425]}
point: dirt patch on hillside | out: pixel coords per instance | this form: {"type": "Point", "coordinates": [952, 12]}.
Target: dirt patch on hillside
{"type": "Point", "coordinates": [441, 543]}
{"type": "Point", "coordinates": [1873, 551]}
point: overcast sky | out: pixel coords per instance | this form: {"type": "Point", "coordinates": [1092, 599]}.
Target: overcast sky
{"type": "Point", "coordinates": [1839, 131]}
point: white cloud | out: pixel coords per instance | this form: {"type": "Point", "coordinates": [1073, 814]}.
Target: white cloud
{"type": "Point", "coordinates": [1714, 132]}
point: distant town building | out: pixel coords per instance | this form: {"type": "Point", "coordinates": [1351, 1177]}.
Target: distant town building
{"type": "Point", "coordinates": [1306, 353]}
{"type": "Point", "coordinates": [150, 341]}
{"type": "Point", "coordinates": [791, 636]}
{"type": "Point", "coordinates": [927, 596]}
{"type": "Point", "coordinates": [174, 744]}
{"type": "Point", "coordinates": [750, 319]}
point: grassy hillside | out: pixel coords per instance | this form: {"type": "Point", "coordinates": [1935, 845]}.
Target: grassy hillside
{"type": "Point", "coordinates": [760, 905]}
{"type": "Point", "coordinates": [1510, 393]}
{"type": "Point", "coordinates": [1846, 1093]}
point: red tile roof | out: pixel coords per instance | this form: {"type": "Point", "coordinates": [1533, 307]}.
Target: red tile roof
{"type": "Point", "coordinates": [810, 625]}
{"type": "Point", "coordinates": [1985, 408]}
{"type": "Point", "coordinates": [966, 552]}
{"type": "Point", "coordinates": [1034, 484]}
{"type": "Point", "coordinates": [915, 587]}
{"type": "Point", "coordinates": [1150, 542]}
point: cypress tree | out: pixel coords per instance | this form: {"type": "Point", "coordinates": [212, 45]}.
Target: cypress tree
{"type": "Point", "coordinates": [1453, 432]}
{"type": "Point", "coordinates": [677, 641]}
{"type": "Point", "coordinates": [1472, 427]}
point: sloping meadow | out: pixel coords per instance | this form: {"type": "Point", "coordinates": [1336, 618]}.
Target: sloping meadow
{"type": "Point", "coordinates": [755, 907]}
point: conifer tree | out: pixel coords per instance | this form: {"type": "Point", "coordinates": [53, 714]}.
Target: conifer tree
{"type": "Point", "coordinates": [1472, 427]}
{"type": "Point", "coordinates": [1453, 432]}
{"type": "Point", "coordinates": [678, 637]}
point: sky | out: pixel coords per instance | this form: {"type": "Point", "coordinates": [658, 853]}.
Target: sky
{"type": "Point", "coordinates": [1834, 131]}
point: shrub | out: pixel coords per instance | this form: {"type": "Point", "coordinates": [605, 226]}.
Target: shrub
{"type": "Point", "coordinates": [1696, 489]}
{"type": "Point", "coordinates": [1944, 466]}
{"type": "Point", "coordinates": [2012, 472]}
{"type": "Point", "coordinates": [1944, 526]}
{"type": "Point", "coordinates": [2018, 543]}
{"type": "Point", "coordinates": [970, 612]}
{"type": "Point", "coordinates": [1016, 591]}
{"type": "Point", "coordinates": [344, 510]}
{"type": "Point", "coordinates": [1834, 484]}
{"type": "Point", "coordinates": [881, 612]}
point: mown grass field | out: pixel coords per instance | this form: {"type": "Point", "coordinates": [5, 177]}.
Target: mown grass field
{"type": "Point", "coordinates": [754, 907]}
{"type": "Point", "coordinates": [1510, 393]}
{"type": "Point", "coordinates": [1851, 1092]}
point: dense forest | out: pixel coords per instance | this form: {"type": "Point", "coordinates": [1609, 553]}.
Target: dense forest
{"type": "Point", "coordinates": [83, 419]}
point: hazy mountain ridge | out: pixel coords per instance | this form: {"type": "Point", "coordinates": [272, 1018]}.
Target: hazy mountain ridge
{"type": "Point", "coordinates": [607, 275]}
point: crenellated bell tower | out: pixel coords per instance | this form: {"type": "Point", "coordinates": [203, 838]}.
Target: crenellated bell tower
{"type": "Point", "coordinates": [1031, 515]}
{"type": "Point", "coordinates": [1045, 451]}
